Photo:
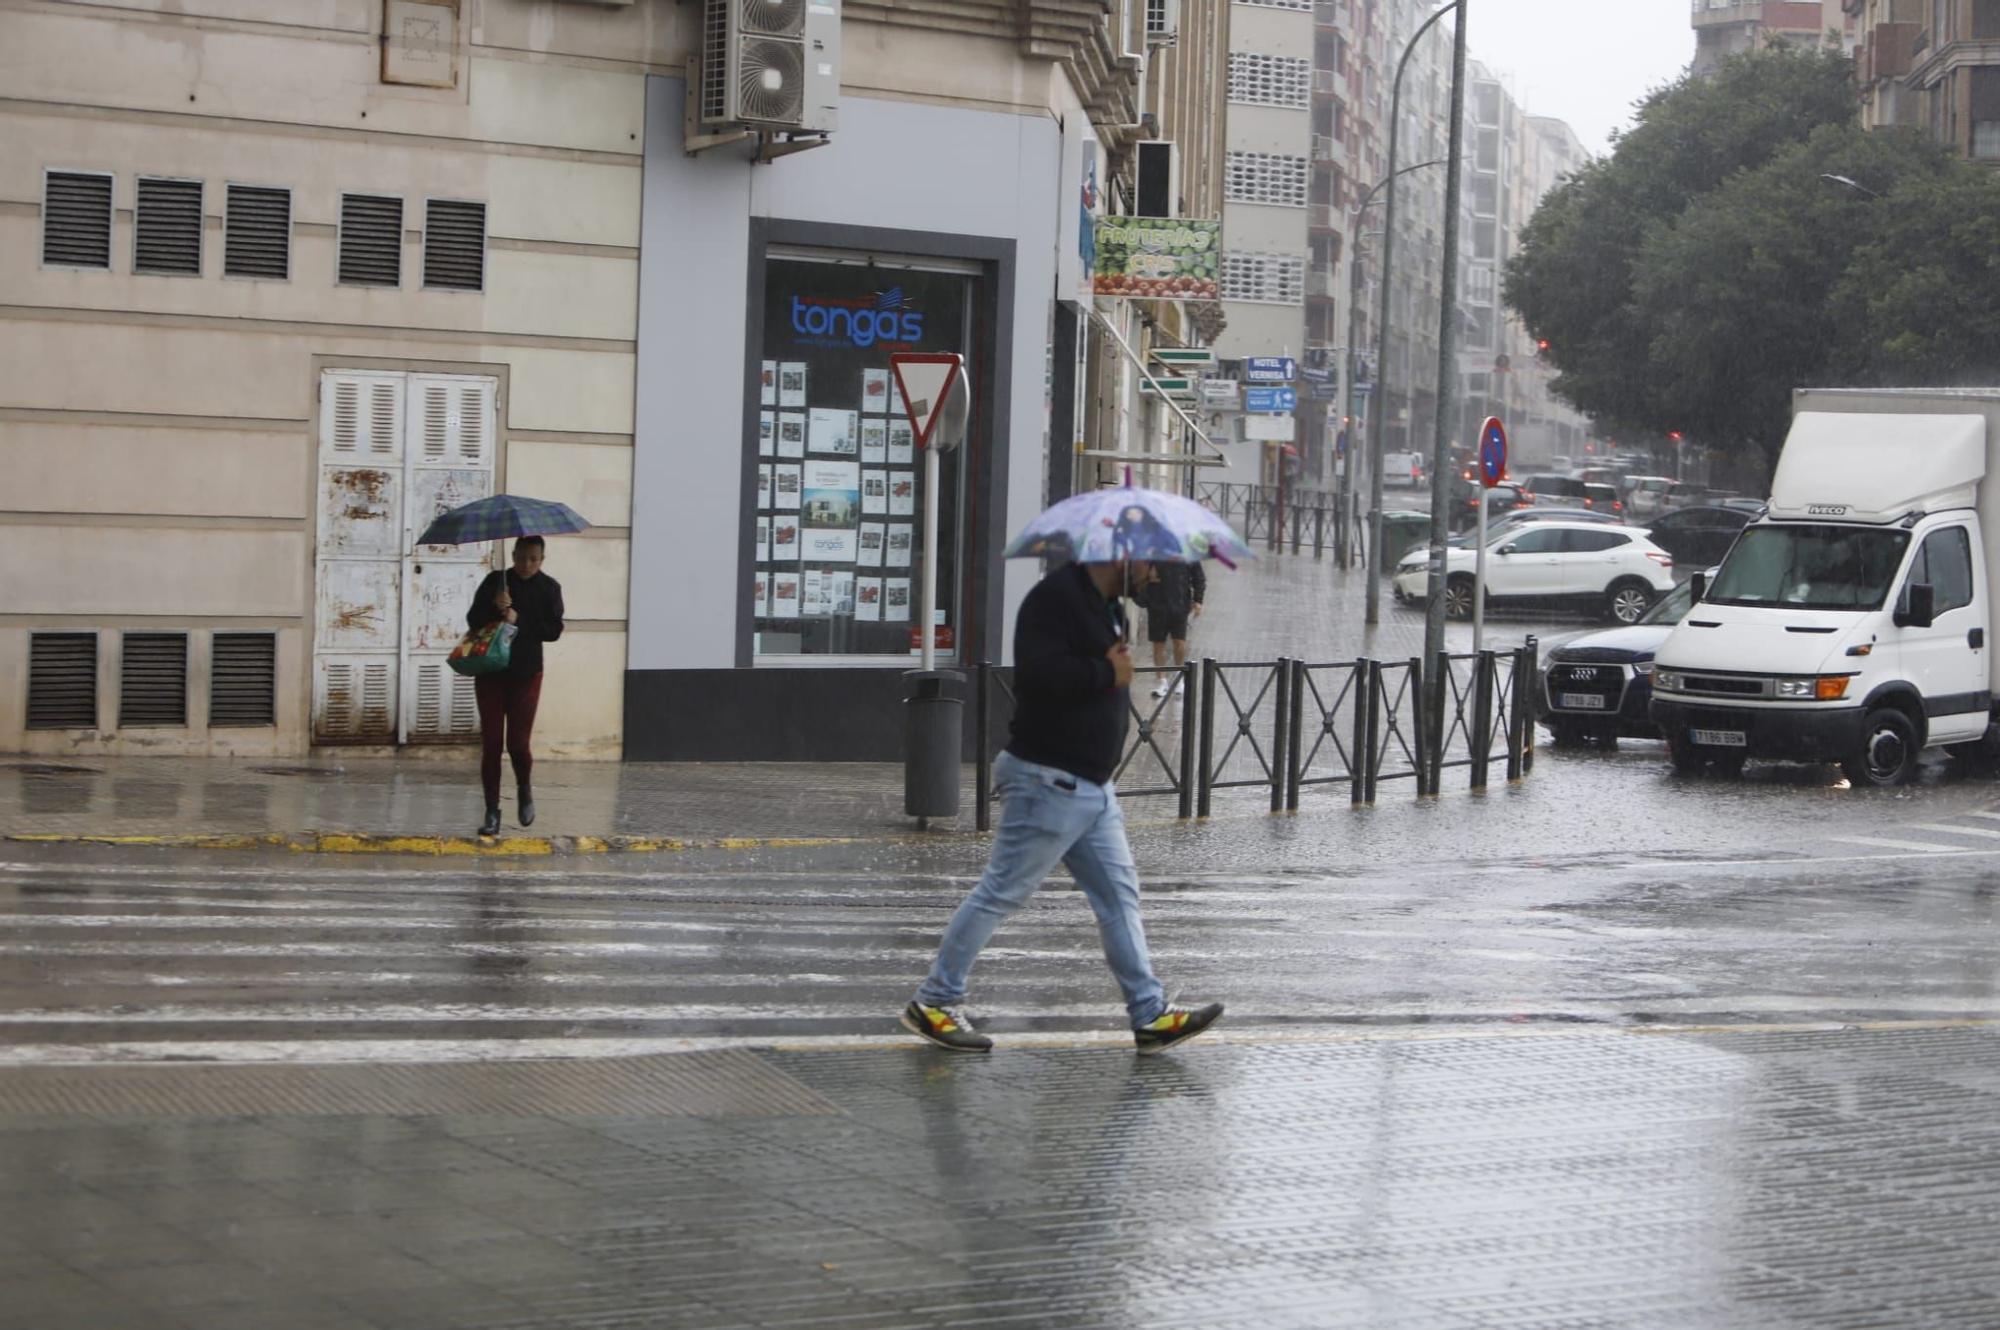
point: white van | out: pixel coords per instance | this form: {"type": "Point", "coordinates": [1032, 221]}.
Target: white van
{"type": "Point", "coordinates": [1850, 623]}
{"type": "Point", "coordinates": [1405, 469]}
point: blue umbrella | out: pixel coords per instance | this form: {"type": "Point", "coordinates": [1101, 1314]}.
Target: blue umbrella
{"type": "Point", "coordinates": [499, 517]}
{"type": "Point", "coordinates": [1104, 526]}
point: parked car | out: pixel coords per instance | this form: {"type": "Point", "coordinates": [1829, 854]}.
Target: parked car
{"type": "Point", "coordinates": [1701, 535]}
{"type": "Point", "coordinates": [1754, 507]}
{"type": "Point", "coordinates": [1403, 469]}
{"type": "Point", "coordinates": [1558, 491]}
{"type": "Point", "coordinates": [1645, 496]}
{"type": "Point", "coordinates": [1504, 498]}
{"type": "Point", "coordinates": [1602, 498]}
{"type": "Point", "coordinates": [1498, 528]}
{"type": "Point", "coordinates": [1601, 475]}
{"type": "Point", "coordinates": [1573, 565]}
{"type": "Point", "coordinates": [1600, 685]}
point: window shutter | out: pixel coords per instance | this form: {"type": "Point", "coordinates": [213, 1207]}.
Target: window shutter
{"type": "Point", "coordinates": [452, 419]}
{"type": "Point", "coordinates": [371, 240]}
{"type": "Point", "coordinates": [166, 228]}
{"type": "Point", "coordinates": [361, 416]}
{"type": "Point", "coordinates": [76, 220]}
{"type": "Point", "coordinates": [152, 680]}
{"type": "Point", "coordinates": [243, 680]}
{"type": "Point", "coordinates": [454, 245]}
{"type": "Point", "coordinates": [62, 681]}
{"type": "Point", "coordinates": [257, 233]}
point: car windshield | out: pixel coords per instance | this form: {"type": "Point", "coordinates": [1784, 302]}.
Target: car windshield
{"type": "Point", "coordinates": [1799, 567]}
{"type": "Point", "coordinates": [1672, 607]}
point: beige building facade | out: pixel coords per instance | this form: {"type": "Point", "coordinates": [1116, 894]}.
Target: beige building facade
{"type": "Point", "coordinates": [1935, 65]}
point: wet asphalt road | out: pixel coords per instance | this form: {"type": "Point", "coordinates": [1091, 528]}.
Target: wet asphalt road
{"type": "Point", "coordinates": [1603, 889]}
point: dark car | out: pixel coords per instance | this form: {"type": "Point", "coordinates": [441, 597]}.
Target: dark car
{"type": "Point", "coordinates": [1600, 685]}
{"type": "Point", "coordinates": [1559, 491]}
{"type": "Point", "coordinates": [1500, 500]}
{"type": "Point", "coordinates": [1699, 536]}
{"type": "Point", "coordinates": [1603, 499]}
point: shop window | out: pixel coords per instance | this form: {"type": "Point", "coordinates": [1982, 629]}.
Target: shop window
{"type": "Point", "coordinates": [838, 507]}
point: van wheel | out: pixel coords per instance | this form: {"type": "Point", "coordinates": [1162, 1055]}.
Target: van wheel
{"type": "Point", "coordinates": [1628, 601]}
{"type": "Point", "coordinates": [1458, 596]}
{"type": "Point", "coordinates": [1886, 753]}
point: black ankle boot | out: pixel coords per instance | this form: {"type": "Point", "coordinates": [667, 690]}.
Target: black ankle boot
{"type": "Point", "coordinates": [491, 826]}
{"type": "Point", "coordinates": [527, 807]}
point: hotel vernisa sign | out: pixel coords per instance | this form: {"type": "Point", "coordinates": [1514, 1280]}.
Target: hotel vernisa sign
{"type": "Point", "coordinates": [1158, 258]}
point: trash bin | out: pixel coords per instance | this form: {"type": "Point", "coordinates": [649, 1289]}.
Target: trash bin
{"type": "Point", "coordinates": [1401, 529]}
{"type": "Point", "coordinates": [933, 730]}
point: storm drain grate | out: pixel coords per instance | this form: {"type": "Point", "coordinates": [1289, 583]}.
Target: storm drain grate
{"type": "Point", "coordinates": [722, 1083]}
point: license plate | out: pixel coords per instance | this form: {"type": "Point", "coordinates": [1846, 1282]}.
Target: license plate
{"type": "Point", "coordinates": [1580, 701]}
{"type": "Point", "coordinates": [1720, 738]}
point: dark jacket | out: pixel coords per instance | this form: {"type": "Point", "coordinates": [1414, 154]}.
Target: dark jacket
{"type": "Point", "coordinates": [538, 613]}
{"type": "Point", "coordinates": [1069, 712]}
{"type": "Point", "coordinates": [1181, 587]}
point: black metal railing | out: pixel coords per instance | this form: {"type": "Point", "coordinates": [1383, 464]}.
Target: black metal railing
{"type": "Point", "coordinates": [1289, 725]}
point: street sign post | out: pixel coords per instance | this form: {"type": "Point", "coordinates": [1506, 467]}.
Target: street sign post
{"type": "Point", "coordinates": [1278, 401]}
{"type": "Point", "coordinates": [938, 404]}
{"type": "Point", "coordinates": [1492, 470]}
{"type": "Point", "coordinates": [1270, 369]}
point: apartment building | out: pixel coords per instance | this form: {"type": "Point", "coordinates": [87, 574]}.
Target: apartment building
{"type": "Point", "coordinates": [285, 280]}
{"type": "Point", "coordinates": [1935, 65]}
{"type": "Point", "coordinates": [1730, 27]}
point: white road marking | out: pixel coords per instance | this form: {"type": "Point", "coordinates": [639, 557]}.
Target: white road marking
{"type": "Point", "coordinates": [1900, 845]}
{"type": "Point", "coordinates": [1950, 830]}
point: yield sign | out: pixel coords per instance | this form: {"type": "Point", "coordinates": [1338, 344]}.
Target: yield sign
{"type": "Point", "coordinates": [925, 379]}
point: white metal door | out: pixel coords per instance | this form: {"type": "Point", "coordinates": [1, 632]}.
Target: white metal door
{"type": "Point", "coordinates": [449, 444]}
{"type": "Point", "coordinates": [357, 596]}
{"type": "Point", "coordinates": [396, 450]}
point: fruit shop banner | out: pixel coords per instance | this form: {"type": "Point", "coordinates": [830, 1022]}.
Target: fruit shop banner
{"type": "Point", "coordinates": [1158, 258]}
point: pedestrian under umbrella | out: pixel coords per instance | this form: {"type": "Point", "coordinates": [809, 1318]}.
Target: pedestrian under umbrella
{"type": "Point", "coordinates": [1072, 675]}
{"type": "Point", "coordinates": [530, 601]}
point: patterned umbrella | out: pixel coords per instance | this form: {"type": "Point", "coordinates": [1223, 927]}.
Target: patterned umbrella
{"type": "Point", "coordinates": [499, 517]}
{"type": "Point", "coordinates": [1104, 526]}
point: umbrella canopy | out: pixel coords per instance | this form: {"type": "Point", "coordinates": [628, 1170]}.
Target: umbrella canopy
{"type": "Point", "coordinates": [1104, 526]}
{"type": "Point", "coordinates": [499, 517]}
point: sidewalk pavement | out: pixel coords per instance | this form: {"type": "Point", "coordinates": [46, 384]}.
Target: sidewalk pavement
{"type": "Point", "coordinates": [431, 805]}
{"type": "Point", "coordinates": [1673, 1180]}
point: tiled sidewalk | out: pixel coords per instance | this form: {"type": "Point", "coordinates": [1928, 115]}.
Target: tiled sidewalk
{"type": "Point", "coordinates": [1659, 1181]}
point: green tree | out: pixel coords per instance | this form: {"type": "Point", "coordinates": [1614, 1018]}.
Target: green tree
{"type": "Point", "coordinates": [1572, 279]}
{"type": "Point", "coordinates": [1920, 302]}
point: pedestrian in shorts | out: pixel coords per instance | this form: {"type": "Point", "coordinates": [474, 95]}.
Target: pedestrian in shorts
{"type": "Point", "coordinates": [1172, 602]}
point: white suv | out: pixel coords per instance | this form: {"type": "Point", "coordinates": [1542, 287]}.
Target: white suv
{"type": "Point", "coordinates": [1613, 570]}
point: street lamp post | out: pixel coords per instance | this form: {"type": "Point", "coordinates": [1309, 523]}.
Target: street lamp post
{"type": "Point", "coordinates": [1447, 376]}
{"type": "Point", "coordinates": [1378, 416]}
{"type": "Point", "coordinates": [1354, 356]}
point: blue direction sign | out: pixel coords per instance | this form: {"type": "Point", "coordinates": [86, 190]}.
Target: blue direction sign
{"type": "Point", "coordinates": [1270, 369]}
{"type": "Point", "coordinates": [1280, 400]}
{"type": "Point", "coordinates": [1492, 452]}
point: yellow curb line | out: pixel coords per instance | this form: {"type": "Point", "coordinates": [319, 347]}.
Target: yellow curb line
{"type": "Point", "coordinates": [348, 842]}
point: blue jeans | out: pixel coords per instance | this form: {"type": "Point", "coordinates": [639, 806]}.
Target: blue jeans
{"type": "Point", "coordinates": [1051, 816]}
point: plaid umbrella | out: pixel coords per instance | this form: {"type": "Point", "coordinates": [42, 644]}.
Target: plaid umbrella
{"type": "Point", "coordinates": [499, 517]}
{"type": "Point", "coordinates": [1103, 526]}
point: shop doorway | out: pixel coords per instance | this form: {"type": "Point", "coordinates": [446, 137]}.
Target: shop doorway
{"type": "Point", "coordinates": [394, 451]}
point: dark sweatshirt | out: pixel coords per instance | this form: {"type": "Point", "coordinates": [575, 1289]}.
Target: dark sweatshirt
{"type": "Point", "coordinates": [1069, 712]}
{"type": "Point", "coordinates": [538, 613]}
{"type": "Point", "coordinates": [1177, 589]}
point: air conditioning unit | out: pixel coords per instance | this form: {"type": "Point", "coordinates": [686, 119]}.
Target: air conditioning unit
{"type": "Point", "coordinates": [771, 64]}
{"type": "Point", "coordinates": [1163, 22]}
{"type": "Point", "coordinates": [1157, 173]}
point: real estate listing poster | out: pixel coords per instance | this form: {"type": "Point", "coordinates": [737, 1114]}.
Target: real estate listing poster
{"type": "Point", "coordinates": [896, 600]}
{"type": "Point", "coordinates": [785, 594]}
{"type": "Point", "coordinates": [902, 493]}
{"type": "Point", "coordinates": [901, 536]}
{"type": "Point", "coordinates": [784, 538]}
{"type": "Point", "coordinates": [832, 511]}
{"type": "Point", "coordinates": [760, 594]}
{"type": "Point", "coordinates": [875, 390]}
{"type": "Point", "coordinates": [814, 602]}
{"type": "Point", "coordinates": [761, 550]}
{"type": "Point", "coordinates": [868, 600]}
{"type": "Point", "coordinates": [840, 587]}
{"type": "Point", "coordinates": [902, 443]}
{"type": "Point", "coordinates": [791, 434]}
{"type": "Point", "coordinates": [787, 488]}
{"type": "Point", "coordinates": [792, 383]}
{"type": "Point", "coordinates": [831, 431]}
{"type": "Point", "coordinates": [767, 384]}
{"type": "Point", "coordinates": [767, 433]}
{"type": "Point", "coordinates": [874, 491]}
{"type": "Point", "coordinates": [871, 545]}
{"type": "Point", "coordinates": [874, 442]}
{"type": "Point", "coordinates": [763, 487]}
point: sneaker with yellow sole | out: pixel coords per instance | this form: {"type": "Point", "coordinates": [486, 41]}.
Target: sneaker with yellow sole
{"type": "Point", "coordinates": [947, 1027]}
{"type": "Point", "coordinates": [1175, 1025]}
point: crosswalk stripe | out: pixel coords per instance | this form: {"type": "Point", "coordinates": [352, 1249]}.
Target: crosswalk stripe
{"type": "Point", "coordinates": [1886, 844]}
{"type": "Point", "coordinates": [1950, 830]}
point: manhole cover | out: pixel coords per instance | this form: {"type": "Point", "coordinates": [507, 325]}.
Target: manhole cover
{"type": "Point", "coordinates": [50, 769]}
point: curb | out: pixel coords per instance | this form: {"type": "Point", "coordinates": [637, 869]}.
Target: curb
{"type": "Point", "coordinates": [355, 842]}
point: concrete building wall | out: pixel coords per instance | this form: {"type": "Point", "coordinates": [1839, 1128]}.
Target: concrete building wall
{"type": "Point", "coordinates": [164, 428]}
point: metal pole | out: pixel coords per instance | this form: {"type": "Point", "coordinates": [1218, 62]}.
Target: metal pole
{"type": "Point", "coordinates": [1207, 757]}
{"type": "Point", "coordinates": [1281, 732]}
{"type": "Point", "coordinates": [1357, 756]}
{"type": "Point", "coordinates": [1189, 686]}
{"type": "Point", "coordinates": [1379, 409]}
{"type": "Point", "coordinates": [1296, 743]}
{"type": "Point", "coordinates": [1448, 337]}
{"type": "Point", "coordinates": [929, 621]}
{"type": "Point", "coordinates": [1479, 566]}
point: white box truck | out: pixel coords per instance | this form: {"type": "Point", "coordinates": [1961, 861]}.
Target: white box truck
{"type": "Point", "coordinates": [1849, 624]}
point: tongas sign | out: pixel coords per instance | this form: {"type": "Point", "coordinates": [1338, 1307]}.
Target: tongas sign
{"type": "Point", "coordinates": [885, 318]}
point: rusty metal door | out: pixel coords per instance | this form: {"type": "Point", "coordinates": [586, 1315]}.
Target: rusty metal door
{"type": "Point", "coordinates": [448, 447]}
{"type": "Point", "coordinates": [395, 450]}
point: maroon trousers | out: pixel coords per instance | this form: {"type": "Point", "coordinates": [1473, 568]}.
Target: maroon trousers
{"type": "Point", "coordinates": [506, 718]}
